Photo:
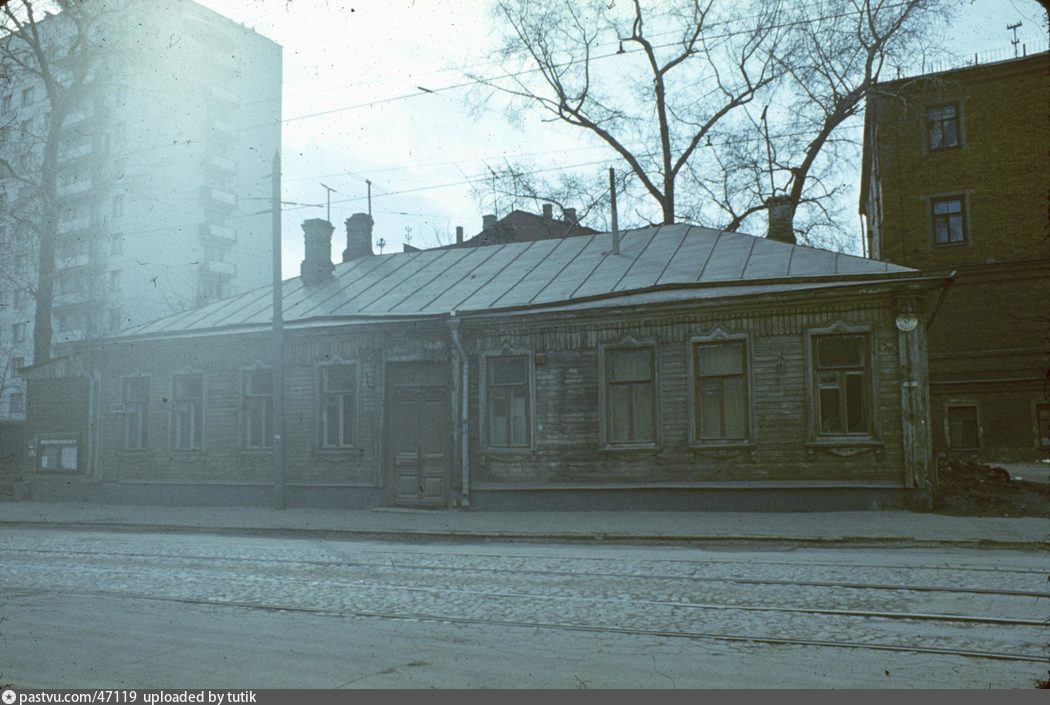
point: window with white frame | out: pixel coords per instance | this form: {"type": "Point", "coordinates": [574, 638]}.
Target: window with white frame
{"type": "Point", "coordinates": [338, 384]}
{"type": "Point", "coordinates": [842, 381]}
{"type": "Point", "coordinates": [28, 96]}
{"type": "Point", "coordinates": [721, 391]}
{"type": "Point", "coordinates": [507, 401]}
{"type": "Point", "coordinates": [630, 395]}
{"type": "Point", "coordinates": [135, 397]}
{"type": "Point", "coordinates": [257, 395]}
{"type": "Point", "coordinates": [187, 412]}
{"type": "Point", "coordinates": [18, 333]}
{"type": "Point", "coordinates": [17, 403]}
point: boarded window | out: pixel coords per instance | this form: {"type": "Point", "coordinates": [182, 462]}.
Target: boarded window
{"type": "Point", "coordinates": [337, 405]}
{"type": "Point", "coordinates": [257, 392]}
{"type": "Point", "coordinates": [135, 396]}
{"type": "Point", "coordinates": [507, 388]}
{"type": "Point", "coordinates": [963, 428]}
{"type": "Point", "coordinates": [630, 396]}
{"type": "Point", "coordinates": [187, 413]}
{"type": "Point", "coordinates": [721, 391]}
{"type": "Point", "coordinates": [842, 377]}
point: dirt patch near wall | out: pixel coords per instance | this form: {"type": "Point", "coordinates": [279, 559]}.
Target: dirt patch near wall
{"type": "Point", "coordinates": [972, 489]}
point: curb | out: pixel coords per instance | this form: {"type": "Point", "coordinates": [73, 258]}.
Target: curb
{"type": "Point", "coordinates": [597, 537]}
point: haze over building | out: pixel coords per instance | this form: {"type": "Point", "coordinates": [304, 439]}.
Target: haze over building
{"type": "Point", "coordinates": [163, 176]}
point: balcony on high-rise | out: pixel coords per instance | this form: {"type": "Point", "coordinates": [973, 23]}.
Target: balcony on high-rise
{"type": "Point", "coordinates": [218, 198]}
{"type": "Point", "coordinates": [73, 188]}
{"type": "Point", "coordinates": [222, 269]}
{"type": "Point", "coordinates": [219, 233]}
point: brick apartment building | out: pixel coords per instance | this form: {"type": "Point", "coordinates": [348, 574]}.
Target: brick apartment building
{"type": "Point", "coordinates": [956, 177]}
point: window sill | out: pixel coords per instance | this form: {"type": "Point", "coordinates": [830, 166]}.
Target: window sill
{"type": "Point", "coordinates": [726, 450]}
{"type": "Point", "coordinates": [509, 451]}
{"type": "Point", "coordinates": [846, 446]}
{"type": "Point", "coordinates": [631, 448]}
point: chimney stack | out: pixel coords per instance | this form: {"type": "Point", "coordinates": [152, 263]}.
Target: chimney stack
{"type": "Point", "coordinates": [781, 219]}
{"type": "Point", "coordinates": [459, 234]}
{"type": "Point", "coordinates": [488, 221]}
{"type": "Point", "coordinates": [570, 215]}
{"type": "Point", "coordinates": [358, 237]}
{"type": "Point", "coordinates": [548, 211]}
{"type": "Point", "coordinates": [317, 267]}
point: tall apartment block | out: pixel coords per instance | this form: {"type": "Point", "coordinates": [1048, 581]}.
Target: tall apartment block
{"type": "Point", "coordinates": [163, 176]}
{"type": "Point", "coordinates": [956, 179]}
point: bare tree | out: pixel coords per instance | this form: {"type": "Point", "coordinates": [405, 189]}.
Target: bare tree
{"type": "Point", "coordinates": [839, 50]}
{"type": "Point", "coordinates": [716, 109]}
{"type": "Point", "coordinates": [52, 53]}
{"type": "Point", "coordinates": [650, 83]}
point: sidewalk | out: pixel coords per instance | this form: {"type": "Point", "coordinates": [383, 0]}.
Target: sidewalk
{"type": "Point", "coordinates": [831, 528]}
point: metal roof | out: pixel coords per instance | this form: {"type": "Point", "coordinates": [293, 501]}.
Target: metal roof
{"type": "Point", "coordinates": [541, 273]}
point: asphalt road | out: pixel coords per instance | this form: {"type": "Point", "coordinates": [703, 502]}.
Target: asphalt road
{"type": "Point", "coordinates": [123, 610]}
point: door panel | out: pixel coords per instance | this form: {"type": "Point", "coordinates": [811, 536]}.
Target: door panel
{"type": "Point", "coordinates": [418, 435]}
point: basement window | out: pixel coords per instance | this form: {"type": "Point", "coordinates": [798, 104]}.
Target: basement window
{"type": "Point", "coordinates": [964, 430]}
{"type": "Point", "coordinates": [1042, 421]}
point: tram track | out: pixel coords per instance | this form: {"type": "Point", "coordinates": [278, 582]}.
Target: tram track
{"type": "Point", "coordinates": [565, 626]}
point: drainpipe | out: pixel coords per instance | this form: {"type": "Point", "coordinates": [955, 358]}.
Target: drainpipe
{"type": "Point", "coordinates": [464, 409]}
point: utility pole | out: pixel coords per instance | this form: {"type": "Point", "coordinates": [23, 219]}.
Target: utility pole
{"type": "Point", "coordinates": [279, 480]}
{"type": "Point", "coordinates": [1015, 41]}
{"type": "Point", "coordinates": [328, 202]}
{"type": "Point", "coordinates": [615, 223]}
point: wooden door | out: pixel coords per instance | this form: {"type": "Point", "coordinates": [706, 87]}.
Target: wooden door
{"type": "Point", "coordinates": [417, 432]}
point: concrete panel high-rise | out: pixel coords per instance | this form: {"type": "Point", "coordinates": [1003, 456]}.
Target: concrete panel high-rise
{"type": "Point", "coordinates": [163, 175]}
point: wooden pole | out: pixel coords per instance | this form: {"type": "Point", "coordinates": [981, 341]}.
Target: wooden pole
{"type": "Point", "coordinates": [615, 224]}
{"type": "Point", "coordinates": [279, 483]}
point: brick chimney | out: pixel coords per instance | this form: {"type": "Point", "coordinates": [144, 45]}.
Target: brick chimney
{"type": "Point", "coordinates": [459, 234]}
{"type": "Point", "coordinates": [317, 267]}
{"type": "Point", "coordinates": [548, 211]}
{"type": "Point", "coordinates": [781, 219]}
{"type": "Point", "coordinates": [488, 221]}
{"type": "Point", "coordinates": [569, 214]}
{"type": "Point", "coordinates": [358, 237]}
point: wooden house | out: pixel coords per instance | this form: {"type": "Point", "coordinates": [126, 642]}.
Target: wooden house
{"type": "Point", "coordinates": [693, 369]}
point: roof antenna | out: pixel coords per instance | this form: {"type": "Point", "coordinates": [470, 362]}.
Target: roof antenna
{"type": "Point", "coordinates": [328, 201]}
{"type": "Point", "coordinates": [1015, 41]}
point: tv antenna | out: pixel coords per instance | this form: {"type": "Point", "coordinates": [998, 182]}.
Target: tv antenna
{"type": "Point", "coordinates": [330, 191]}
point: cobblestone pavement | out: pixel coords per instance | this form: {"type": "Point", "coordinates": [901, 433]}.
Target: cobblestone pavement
{"type": "Point", "coordinates": [932, 604]}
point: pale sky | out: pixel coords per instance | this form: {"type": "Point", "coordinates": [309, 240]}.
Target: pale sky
{"type": "Point", "coordinates": [361, 64]}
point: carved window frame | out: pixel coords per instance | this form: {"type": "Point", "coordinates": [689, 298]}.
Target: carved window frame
{"type": "Point", "coordinates": [716, 336]}
{"type": "Point", "coordinates": [484, 389]}
{"type": "Point", "coordinates": [604, 416]}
